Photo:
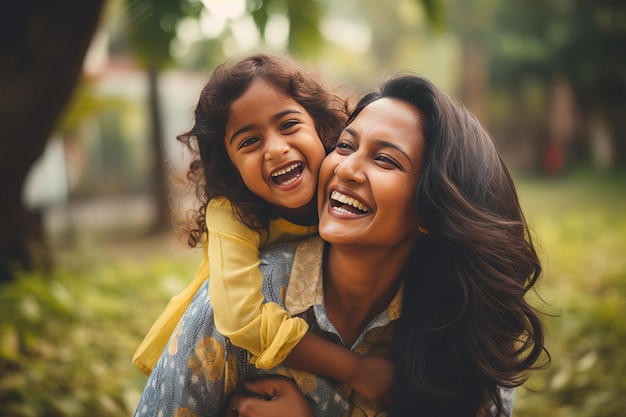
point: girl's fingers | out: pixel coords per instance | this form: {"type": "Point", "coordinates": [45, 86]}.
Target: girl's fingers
{"type": "Point", "coordinates": [273, 396]}
{"type": "Point", "coordinates": [268, 387]}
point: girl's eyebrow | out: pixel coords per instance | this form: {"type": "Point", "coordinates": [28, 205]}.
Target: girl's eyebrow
{"type": "Point", "coordinates": [251, 126]}
{"type": "Point", "coordinates": [283, 113]}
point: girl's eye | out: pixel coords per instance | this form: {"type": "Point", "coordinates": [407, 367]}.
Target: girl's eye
{"type": "Point", "coordinates": [288, 124]}
{"type": "Point", "coordinates": [248, 142]}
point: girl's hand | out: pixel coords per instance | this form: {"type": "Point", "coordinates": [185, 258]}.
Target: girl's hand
{"type": "Point", "coordinates": [270, 396]}
{"type": "Point", "coordinates": [373, 379]}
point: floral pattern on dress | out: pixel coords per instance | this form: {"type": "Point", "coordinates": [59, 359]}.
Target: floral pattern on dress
{"type": "Point", "coordinates": [200, 368]}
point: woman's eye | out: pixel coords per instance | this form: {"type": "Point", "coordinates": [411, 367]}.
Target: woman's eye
{"type": "Point", "coordinates": [343, 148]}
{"type": "Point", "coordinates": [387, 160]}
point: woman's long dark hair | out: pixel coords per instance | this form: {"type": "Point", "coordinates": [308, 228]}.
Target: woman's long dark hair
{"type": "Point", "coordinates": [211, 170]}
{"type": "Point", "coordinates": [466, 328]}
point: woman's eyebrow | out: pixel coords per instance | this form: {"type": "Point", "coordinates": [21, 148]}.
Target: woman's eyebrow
{"type": "Point", "coordinates": [380, 143]}
{"type": "Point", "coordinates": [350, 131]}
{"type": "Point", "coordinates": [386, 144]}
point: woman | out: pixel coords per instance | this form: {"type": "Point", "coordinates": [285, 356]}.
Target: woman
{"type": "Point", "coordinates": [427, 261]}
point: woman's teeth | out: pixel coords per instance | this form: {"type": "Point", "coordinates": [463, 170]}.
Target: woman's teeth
{"type": "Point", "coordinates": [344, 199]}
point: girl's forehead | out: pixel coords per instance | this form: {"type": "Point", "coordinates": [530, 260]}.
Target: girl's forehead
{"type": "Point", "coordinates": [260, 93]}
{"type": "Point", "coordinates": [261, 105]}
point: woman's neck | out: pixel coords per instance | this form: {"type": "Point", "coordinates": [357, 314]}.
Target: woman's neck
{"type": "Point", "coordinates": [359, 284]}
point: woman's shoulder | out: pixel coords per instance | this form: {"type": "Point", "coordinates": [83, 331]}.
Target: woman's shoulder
{"type": "Point", "coordinates": [281, 261]}
{"type": "Point", "coordinates": [507, 396]}
{"type": "Point", "coordinates": [284, 252]}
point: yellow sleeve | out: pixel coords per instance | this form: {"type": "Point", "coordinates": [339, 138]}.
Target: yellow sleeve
{"type": "Point", "coordinates": [149, 351]}
{"type": "Point", "coordinates": [266, 330]}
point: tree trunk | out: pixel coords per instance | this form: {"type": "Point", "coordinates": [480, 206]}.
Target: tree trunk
{"type": "Point", "coordinates": [159, 171]}
{"type": "Point", "coordinates": [561, 126]}
{"type": "Point", "coordinates": [601, 140]}
{"type": "Point", "coordinates": [42, 48]}
{"type": "Point", "coordinates": [474, 78]}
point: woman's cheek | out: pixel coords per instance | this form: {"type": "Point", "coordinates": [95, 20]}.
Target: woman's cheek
{"type": "Point", "coordinates": [325, 174]}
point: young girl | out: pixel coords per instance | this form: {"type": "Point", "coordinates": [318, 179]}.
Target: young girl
{"type": "Point", "coordinates": [263, 126]}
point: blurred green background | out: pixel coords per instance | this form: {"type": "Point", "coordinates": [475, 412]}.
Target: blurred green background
{"type": "Point", "coordinates": [94, 92]}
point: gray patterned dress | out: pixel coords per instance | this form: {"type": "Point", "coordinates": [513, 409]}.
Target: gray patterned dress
{"type": "Point", "coordinates": [199, 368]}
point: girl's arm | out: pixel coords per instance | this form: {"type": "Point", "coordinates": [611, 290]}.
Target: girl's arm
{"type": "Point", "coordinates": [371, 376]}
{"type": "Point", "coordinates": [265, 330]}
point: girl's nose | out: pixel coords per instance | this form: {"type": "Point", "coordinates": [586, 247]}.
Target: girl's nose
{"type": "Point", "coordinates": [275, 147]}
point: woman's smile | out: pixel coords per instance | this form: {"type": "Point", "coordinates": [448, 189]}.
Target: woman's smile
{"type": "Point", "coordinates": [346, 204]}
{"type": "Point", "coordinates": [371, 177]}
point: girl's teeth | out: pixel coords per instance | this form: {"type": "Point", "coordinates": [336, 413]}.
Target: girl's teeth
{"type": "Point", "coordinates": [289, 181]}
{"type": "Point", "coordinates": [286, 170]}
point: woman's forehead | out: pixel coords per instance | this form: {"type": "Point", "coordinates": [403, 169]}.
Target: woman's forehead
{"type": "Point", "coordinates": [388, 119]}
{"type": "Point", "coordinates": [390, 113]}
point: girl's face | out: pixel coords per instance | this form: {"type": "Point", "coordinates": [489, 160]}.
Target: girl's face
{"type": "Point", "coordinates": [272, 141]}
{"type": "Point", "coordinates": [367, 185]}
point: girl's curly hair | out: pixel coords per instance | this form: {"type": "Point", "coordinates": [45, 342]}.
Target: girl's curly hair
{"type": "Point", "coordinates": [211, 171]}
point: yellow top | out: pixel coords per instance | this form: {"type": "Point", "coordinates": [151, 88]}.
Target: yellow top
{"type": "Point", "coordinates": [231, 258]}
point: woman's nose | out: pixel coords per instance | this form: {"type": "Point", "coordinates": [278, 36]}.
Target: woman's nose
{"type": "Point", "coordinates": [350, 169]}
{"type": "Point", "coordinates": [275, 147]}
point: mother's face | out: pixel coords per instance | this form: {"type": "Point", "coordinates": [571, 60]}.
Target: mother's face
{"type": "Point", "coordinates": [367, 185]}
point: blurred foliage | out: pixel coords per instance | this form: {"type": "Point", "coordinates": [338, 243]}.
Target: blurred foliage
{"type": "Point", "coordinates": [66, 340]}
{"type": "Point", "coordinates": [535, 45]}
{"type": "Point", "coordinates": [304, 33]}
{"type": "Point", "coordinates": [581, 226]}
{"type": "Point", "coordinates": [86, 103]}
{"type": "Point", "coordinates": [578, 39]}
{"type": "Point", "coordinates": [151, 26]}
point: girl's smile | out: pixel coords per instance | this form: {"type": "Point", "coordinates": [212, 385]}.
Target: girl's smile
{"type": "Point", "coordinates": [288, 175]}
{"type": "Point", "coordinates": [274, 146]}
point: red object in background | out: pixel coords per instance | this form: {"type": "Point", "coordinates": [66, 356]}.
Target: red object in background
{"type": "Point", "coordinates": [554, 159]}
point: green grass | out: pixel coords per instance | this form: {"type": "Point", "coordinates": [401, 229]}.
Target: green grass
{"type": "Point", "coordinates": [66, 339]}
{"type": "Point", "coordinates": [581, 226]}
